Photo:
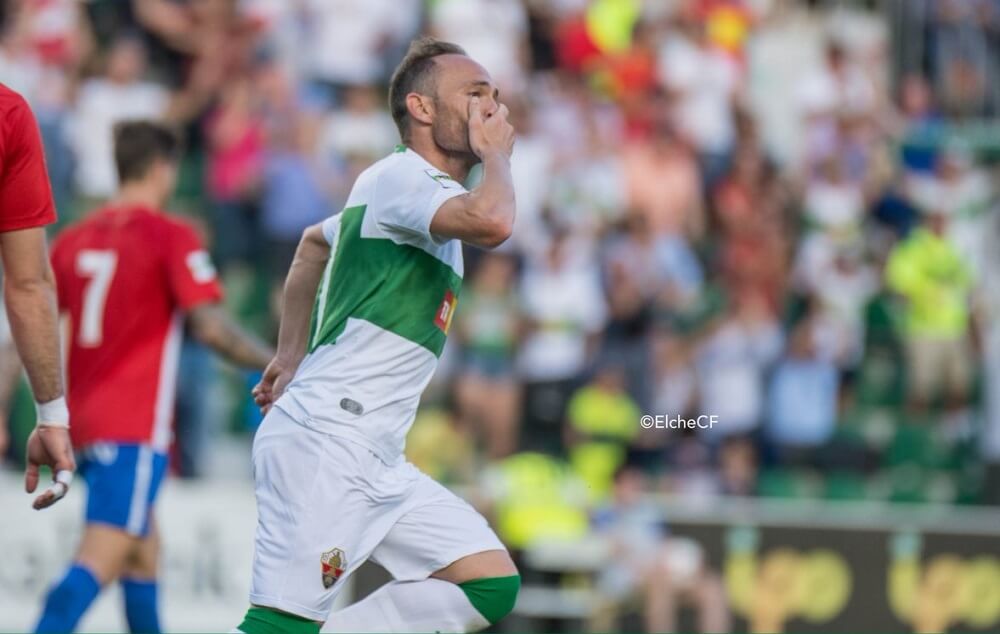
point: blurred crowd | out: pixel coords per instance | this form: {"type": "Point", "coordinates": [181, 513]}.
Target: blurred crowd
{"type": "Point", "coordinates": [779, 214]}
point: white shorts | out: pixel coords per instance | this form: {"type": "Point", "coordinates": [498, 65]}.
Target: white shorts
{"type": "Point", "coordinates": [325, 505]}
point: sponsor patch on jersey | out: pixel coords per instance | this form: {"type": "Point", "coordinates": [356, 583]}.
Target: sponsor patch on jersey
{"type": "Point", "coordinates": [442, 179]}
{"type": "Point", "coordinates": [332, 563]}
{"type": "Point", "coordinates": [352, 406]}
{"type": "Point", "coordinates": [445, 312]}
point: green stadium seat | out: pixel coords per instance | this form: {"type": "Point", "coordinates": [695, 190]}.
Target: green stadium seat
{"type": "Point", "coordinates": [788, 483]}
{"type": "Point", "coordinates": [845, 485]}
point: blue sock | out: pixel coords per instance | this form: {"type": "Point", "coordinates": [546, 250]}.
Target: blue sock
{"type": "Point", "coordinates": [140, 606]}
{"type": "Point", "coordinates": [68, 600]}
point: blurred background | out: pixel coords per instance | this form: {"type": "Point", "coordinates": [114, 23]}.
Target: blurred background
{"type": "Point", "coordinates": [782, 214]}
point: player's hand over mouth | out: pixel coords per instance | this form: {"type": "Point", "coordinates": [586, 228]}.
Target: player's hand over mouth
{"type": "Point", "coordinates": [490, 135]}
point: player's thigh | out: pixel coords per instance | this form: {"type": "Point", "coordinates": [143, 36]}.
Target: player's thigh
{"type": "Point", "coordinates": [441, 534]}
{"type": "Point", "coordinates": [318, 519]}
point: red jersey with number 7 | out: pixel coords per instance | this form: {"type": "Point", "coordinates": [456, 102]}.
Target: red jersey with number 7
{"type": "Point", "coordinates": [126, 276]}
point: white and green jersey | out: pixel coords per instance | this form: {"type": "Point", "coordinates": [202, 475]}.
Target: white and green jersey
{"type": "Point", "coordinates": [383, 308]}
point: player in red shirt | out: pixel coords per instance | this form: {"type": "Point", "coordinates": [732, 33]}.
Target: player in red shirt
{"type": "Point", "coordinates": [29, 294]}
{"type": "Point", "coordinates": [128, 276]}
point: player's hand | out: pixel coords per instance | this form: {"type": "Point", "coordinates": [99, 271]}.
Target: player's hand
{"type": "Point", "coordinates": [272, 384]}
{"type": "Point", "coordinates": [49, 446]}
{"type": "Point", "coordinates": [492, 134]}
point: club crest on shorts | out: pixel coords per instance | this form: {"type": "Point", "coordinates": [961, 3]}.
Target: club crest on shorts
{"type": "Point", "coordinates": [333, 564]}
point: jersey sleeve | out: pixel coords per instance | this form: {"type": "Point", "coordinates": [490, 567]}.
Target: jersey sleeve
{"type": "Point", "coordinates": [331, 228]}
{"type": "Point", "coordinates": [190, 272]}
{"type": "Point", "coordinates": [407, 196]}
{"type": "Point", "coordinates": [25, 194]}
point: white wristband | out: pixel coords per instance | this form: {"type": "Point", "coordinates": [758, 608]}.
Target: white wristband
{"type": "Point", "coordinates": [53, 413]}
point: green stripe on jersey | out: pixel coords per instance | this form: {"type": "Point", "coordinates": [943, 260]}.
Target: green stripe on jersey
{"type": "Point", "coordinates": [396, 287]}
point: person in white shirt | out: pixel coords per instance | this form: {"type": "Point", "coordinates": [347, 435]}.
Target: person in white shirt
{"type": "Point", "coordinates": [118, 95]}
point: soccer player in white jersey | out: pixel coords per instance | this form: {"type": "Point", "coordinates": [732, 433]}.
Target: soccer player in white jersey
{"type": "Point", "coordinates": [381, 280]}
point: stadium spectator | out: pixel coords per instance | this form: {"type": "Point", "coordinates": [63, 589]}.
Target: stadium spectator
{"type": "Point", "coordinates": [533, 168]}
{"type": "Point", "coordinates": [665, 571]}
{"type": "Point", "coordinates": [664, 183]}
{"type": "Point", "coordinates": [41, 45]}
{"type": "Point", "coordinates": [350, 41]}
{"type": "Point", "coordinates": [705, 82]}
{"type": "Point", "coordinates": [486, 390]}
{"type": "Point", "coordinates": [832, 202]}
{"type": "Point", "coordinates": [441, 448]}
{"type": "Point", "coordinates": [293, 195]}
{"type": "Point", "coordinates": [564, 312]}
{"type": "Point", "coordinates": [837, 88]}
{"type": "Point", "coordinates": [587, 188]}
{"type": "Point", "coordinates": [120, 93]}
{"type": "Point", "coordinates": [675, 382]}
{"type": "Point", "coordinates": [802, 396]}
{"type": "Point", "coordinates": [492, 31]}
{"type": "Point", "coordinates": [731, 361]}
{"type": "Point", "coordinates": [962, 192]}
{"type": "Point", "coordinates": [964, 56]}
{"type": "Point", "coordinates": [235, 134]}
{"type": "Point", "coordinates": [645, 274]}
{"type": "Point", "coordinates": [935, 280]}
{"type": "Point", "coordinates": [360, 129]}
{"type": "Point", "coordinates": [601, 422]}
{"type": "Point", "coordinates": [738, 462]}
{"type": "Point", "coordinates": [535, 497]}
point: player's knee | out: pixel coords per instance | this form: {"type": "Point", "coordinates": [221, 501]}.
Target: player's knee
{"type": "Point", "coordinates": [144, 560]}
{"type": "Point", "coordinates": [493, 597]}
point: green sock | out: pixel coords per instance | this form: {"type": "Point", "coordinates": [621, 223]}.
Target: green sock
{"type": "Point", "coordinates": [494, 597]}
{"type": "Point", "coordinates": [265, 621]}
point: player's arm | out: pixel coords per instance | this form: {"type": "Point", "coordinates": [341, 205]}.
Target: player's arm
{"type": "Point", "coordinates": [196, 290]}
{"type": "Point", "coordinates": [30, 296]}
{"type": "Point", "coordinates": [293, 335]}
{"type": "Point", "coordinates": [485, 216]}
{"type": "Point", "coordinates": [212, 325]}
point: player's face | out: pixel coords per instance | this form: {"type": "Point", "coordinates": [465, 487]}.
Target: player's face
{"type": "Point", "coordinates": [459, 79]}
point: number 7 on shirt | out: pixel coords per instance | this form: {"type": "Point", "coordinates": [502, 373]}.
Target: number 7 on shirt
{"type": "Point", "coordinates": [98, 267]}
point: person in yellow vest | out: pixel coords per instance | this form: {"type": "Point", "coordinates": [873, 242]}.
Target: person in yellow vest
{"type": "Point", "coordinates": [536, 497]}
{"type": "Point", "coordinates": [602, 420]}
{"type": "Point", "coordinates": [932, 276]}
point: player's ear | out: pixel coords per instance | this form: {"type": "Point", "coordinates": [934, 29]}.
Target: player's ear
{"type": "Point", "coordinates": [420, 107]}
